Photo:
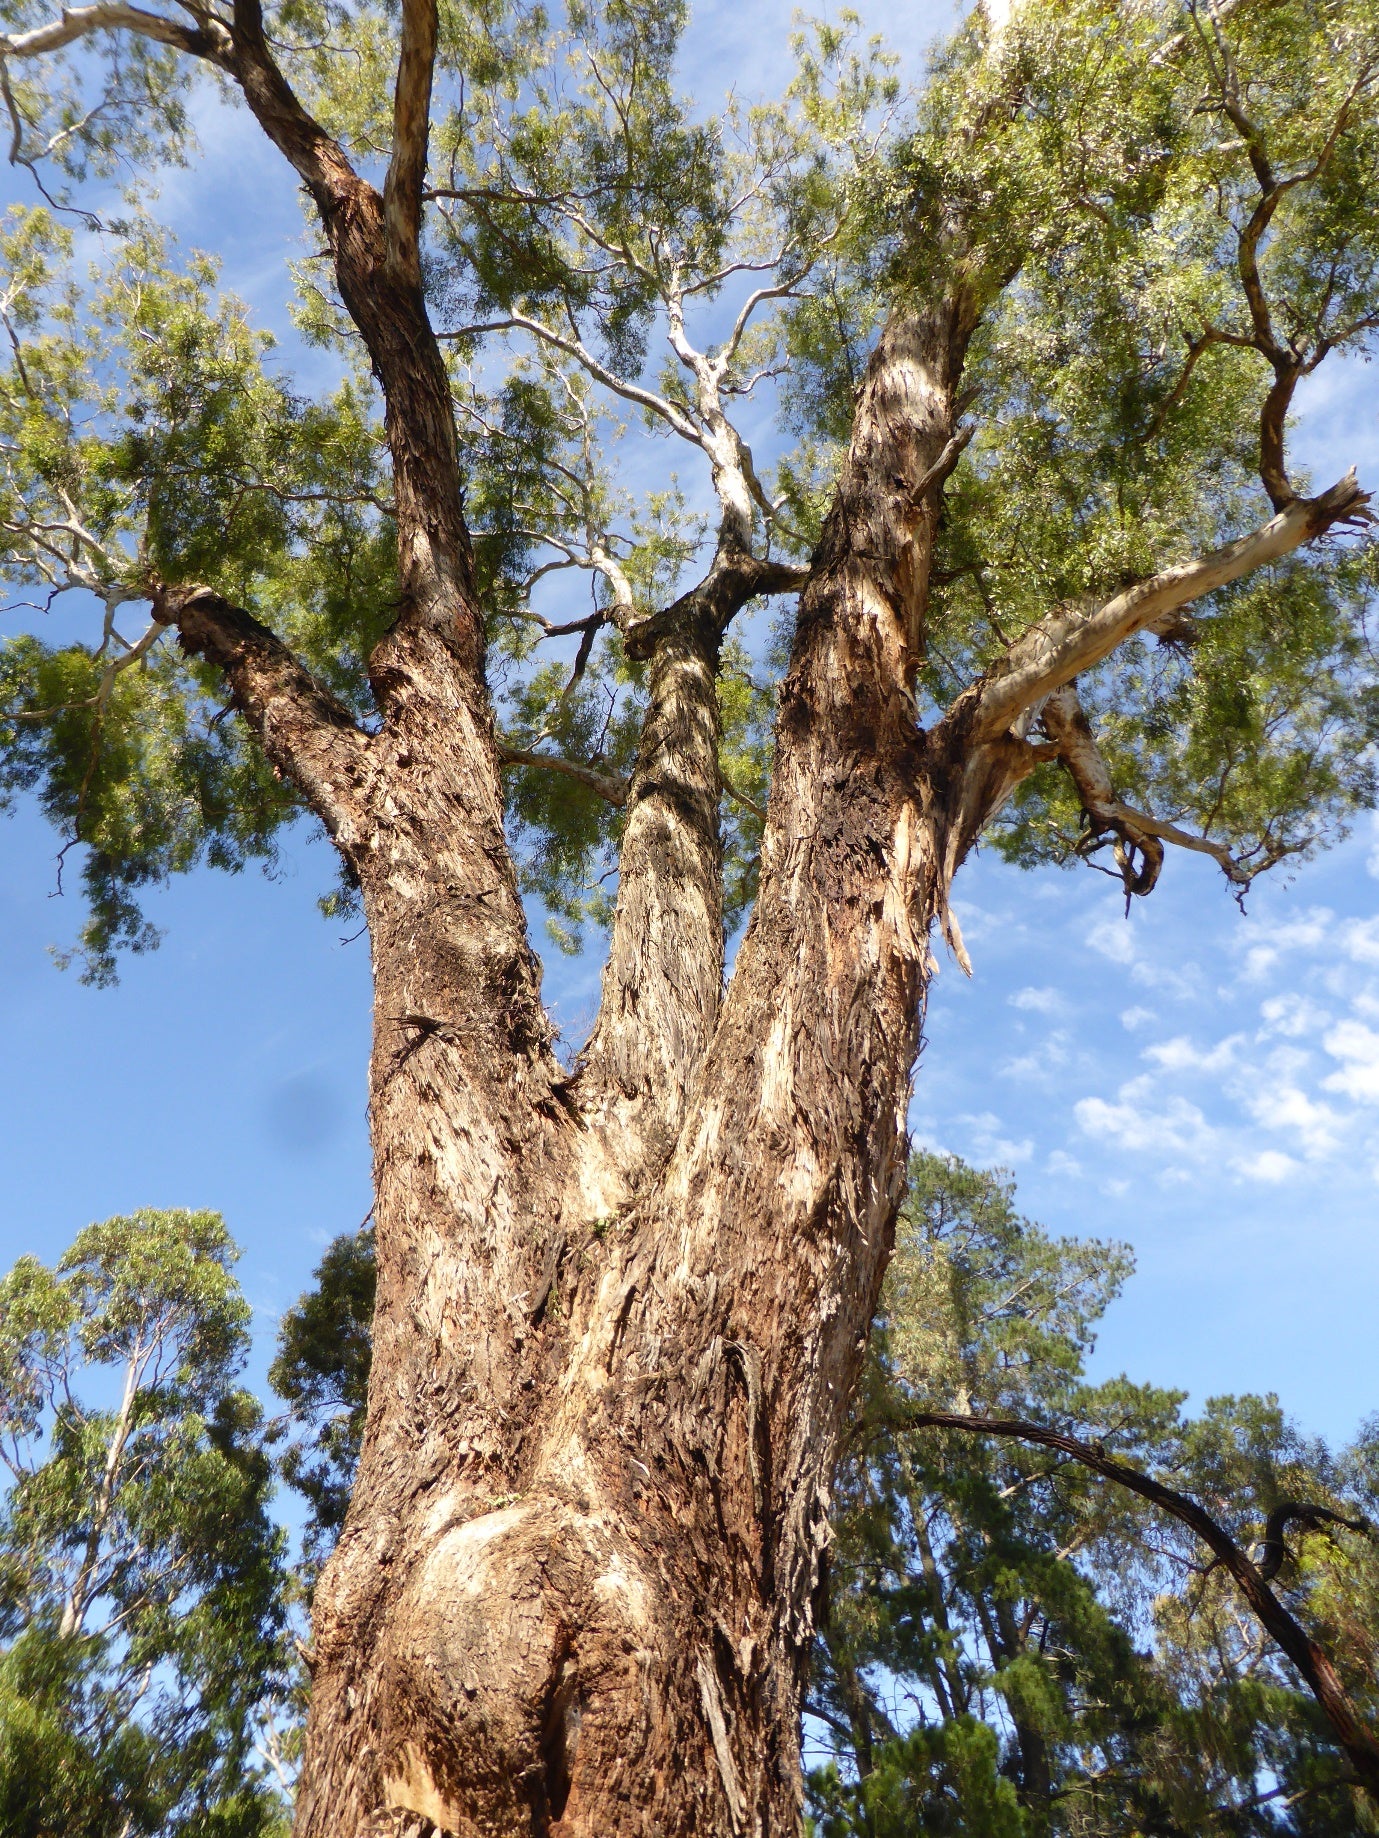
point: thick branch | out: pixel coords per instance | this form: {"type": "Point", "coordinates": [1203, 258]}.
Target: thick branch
{"type": "Point", "coordinates": [1360, 1746]}
{"type": "Point", "coordinates": [733, 580]}
{"type": "Point", "coordinates": [307, 735]}
{"type": "Point", "coordinates": [1068, 728]}
{"type": "Point", "coordinates": [402, 188]}
{"type": "Point", "coordinates": [383, 298]}
{"type": "Point", "coordinates": [79, 22]}
{"type": "Point", "coordinates": [1289, 1512]}
{"type": "Point", "coordinates": [663, 978]}
{"type": "Point", "coordinates": [1076, 636]}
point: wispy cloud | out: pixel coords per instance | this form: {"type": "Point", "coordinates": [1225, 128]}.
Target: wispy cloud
{"type": "Point", "coordinates": [1040, 1001]}
{"type": "Point", "coordinates": [1357, 1047]}
{"type": "Point", "coordinates": [1180, 1055]}
{"type": "Point", "coordinates": [1141, 1119]}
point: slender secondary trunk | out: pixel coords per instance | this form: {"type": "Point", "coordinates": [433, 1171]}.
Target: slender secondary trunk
{"type": "Point", "coordinates": [621, 1312]}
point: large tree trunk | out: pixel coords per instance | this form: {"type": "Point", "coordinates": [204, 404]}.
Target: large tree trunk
{"type": "Point", "coordinates": [575, 1591]}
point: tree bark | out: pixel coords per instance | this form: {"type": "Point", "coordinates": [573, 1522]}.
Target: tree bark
{"type": "Point", "coordinates": [621, 1310]}
{"type": "Point", "coordinates": [576, 1589]}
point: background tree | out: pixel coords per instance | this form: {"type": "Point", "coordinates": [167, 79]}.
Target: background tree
{"type": "Point", "coordinates": [1015, 1646]}
{"type": "Point", "coordinates": [142, 1594]}
{"type": "Point", "coordinates": [622, 1303]}
{"type": "Point", "coordinates": [322, 1374]}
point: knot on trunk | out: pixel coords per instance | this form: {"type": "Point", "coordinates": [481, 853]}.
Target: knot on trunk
{"type": "Point", "coordinates": [512, 1631]}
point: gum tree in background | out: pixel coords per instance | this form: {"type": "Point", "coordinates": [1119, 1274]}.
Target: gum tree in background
{"type": "Point", "coordinates": [142, 1584]}
{"type": "Point", "coordinates": [1012, 1646]}
{"type": "Point", "coordinates": [1038, 332]}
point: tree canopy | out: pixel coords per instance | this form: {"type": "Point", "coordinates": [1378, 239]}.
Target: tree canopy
{"type": "Point", "coordinates": [143, 1605]}
{"type": "Point", "coordinates": [1164, 222]}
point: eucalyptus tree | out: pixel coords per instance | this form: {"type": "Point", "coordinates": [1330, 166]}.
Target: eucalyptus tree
{"type": "Point", "coordinates": [142, 1583]}
{"type": "Point", "coordinates": [1046, 570]}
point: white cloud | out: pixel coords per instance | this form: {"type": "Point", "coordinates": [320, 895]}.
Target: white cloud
{"type": "Point", "coordinates": [1114, 939]}
{"type": "Point", "coordinates": [1268, 943]}
{"type": "Point", "coordinates": [1360, 940]}
{"type": "Point", "coordinates": [1041, 1001]}
{"type": "Point", "coordinates": [1357, 1046]}
{"type": "Point", "coordinates": [1182, 980]}
{"type": "Point", "coordinates": [1292, 1015]}
{"type": "Point", "coordinates": [1177, 1128]}
{"type": "Point", "coordinates": [1136, 1017]}
{"type": "Point", "coordinates": [1269, 1165]}
{"type": "Point", "coordinates": [1060, 1162]}
{"type": "Point", "coordinates": [977, 922]}
{"type": "Point", "coordinates": [989, 1145]}
{"type": "Point", "coordinates": [1179, 1054]}
{"type": "Point", "coordinates": [1282, 1107]}
{"type": "Point", "coordinates": [1053, 1052]}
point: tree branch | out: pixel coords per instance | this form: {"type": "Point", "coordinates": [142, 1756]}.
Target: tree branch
{"type": "Point", "coordinates": [1274, 1550]}
{"type": "Point", "coordinates": [1078, 635]}
{"type": "Point", "coordinates": [306, 733]}
{"type": "Point", "coordinates": [402, 188]}
{"type": "Point", "coordinates": [731, 582]}
{"type": "Point", "coordinates": [1360, 1746]}
{"type": "Point", "coordinates": [210, 41]}
{"type": "Point", "coordinates": [1067, 726]}
{"type": "Point", "coordinates": [630, 392]}
{"type": "Point", "coordinates": [612, 790]}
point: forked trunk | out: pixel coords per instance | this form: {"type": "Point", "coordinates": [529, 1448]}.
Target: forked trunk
{"type": "Point", "coordinates": [575, 1593]}
{"type": "Point", "coordinates": [622, 1310]}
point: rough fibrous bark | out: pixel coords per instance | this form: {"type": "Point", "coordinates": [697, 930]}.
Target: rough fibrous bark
{"type": "Point", "coordinates": [621, 1308]}
{"type": "Point", "coordinates": [576, 1588]}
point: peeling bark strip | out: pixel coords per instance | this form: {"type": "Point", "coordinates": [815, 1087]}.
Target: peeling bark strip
{"type": "Point", "coordinates": [621, 1310]}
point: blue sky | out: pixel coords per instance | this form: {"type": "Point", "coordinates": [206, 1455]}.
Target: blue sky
{"type": "Point", "coordinates": [1203, 1084]}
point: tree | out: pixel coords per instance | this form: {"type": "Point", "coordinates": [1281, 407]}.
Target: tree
{"type": "Point", "coordinates": [141, 1582]}
{"type": "Point", "coordinates": [1014, 1645]}
{"type": "Point", "coordinates": [622, 1302]}
{"type": "Point", "coordinates": [1008, 1644]}
{"type": "Point", "coordinates": [322, 1374]}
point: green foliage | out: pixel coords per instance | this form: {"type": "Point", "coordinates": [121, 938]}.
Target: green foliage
{"type": "Point", "coordinates": [144, 439]}
{"type": "Point", "coordinates": [1118, 1685]}
{"type": "Point", "coordinates": [1087, 183]}
{"type": "Point", "coordinates": [142, 1604]}
{"type": "Point", "coordinates": [322, 1374]}
{"type": "Point", "coordinates": [1149, 211]}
